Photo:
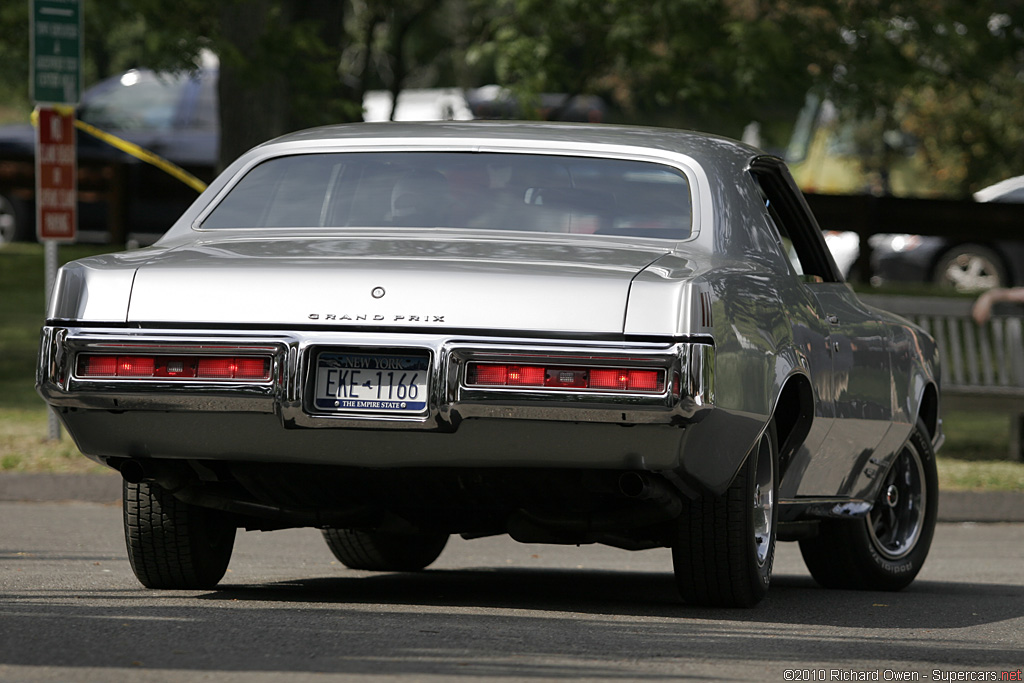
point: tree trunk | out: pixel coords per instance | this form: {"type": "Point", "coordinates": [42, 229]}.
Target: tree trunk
{"type": "Point", "coordinates": [254, 103]}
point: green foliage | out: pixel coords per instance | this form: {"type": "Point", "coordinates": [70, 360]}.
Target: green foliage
{"type": "Point", "coordinates": [947, 77]}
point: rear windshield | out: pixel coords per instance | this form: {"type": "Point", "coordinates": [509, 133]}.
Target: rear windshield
{"type": "Point", "coordinates": [492, 191]}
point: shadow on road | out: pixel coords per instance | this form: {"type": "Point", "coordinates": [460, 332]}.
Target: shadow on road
{"type": "Point", "coordinates": [526, 623]}
{"type": "Point", "coordinates": [791, 600]}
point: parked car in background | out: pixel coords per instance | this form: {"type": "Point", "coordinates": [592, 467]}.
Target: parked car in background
{"type": "Point", "coordinates": [564, 333]}
{"type": "Point", "coordinates": [963, 263]}
{"type": "Point", "coordinates": [171, 115]}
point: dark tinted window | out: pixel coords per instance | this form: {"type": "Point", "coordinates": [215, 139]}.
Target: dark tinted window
{"type": "Point", "coordinates": [542, 193]}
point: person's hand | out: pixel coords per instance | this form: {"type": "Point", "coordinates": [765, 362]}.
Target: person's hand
{"type": "Point", "coordinates": [982, 309]}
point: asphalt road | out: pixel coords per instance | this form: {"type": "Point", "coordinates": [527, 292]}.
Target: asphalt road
{"type": "Point", "coordinates": [70, 610]}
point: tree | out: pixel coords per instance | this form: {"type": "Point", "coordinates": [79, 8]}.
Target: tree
{"type": "Point", "coordinates": [948, 74]}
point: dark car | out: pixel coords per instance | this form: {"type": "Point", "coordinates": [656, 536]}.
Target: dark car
{"type": "Point", "coordinates": [171, 115]}
{"type": "Point", "coordinates": [965, 264]}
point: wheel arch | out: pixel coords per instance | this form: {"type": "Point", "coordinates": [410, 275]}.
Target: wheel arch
{"type": "Point", "coordinates": [928, 410]}
{"type": "Point", "coordinates": [793, 414]}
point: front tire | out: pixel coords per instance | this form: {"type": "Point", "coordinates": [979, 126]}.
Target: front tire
{"type": "Point", "coordinates": [886, 549]}
{"type": "Point", "coordinates": [385, 552]}
{"type": "Point", "coordinates": [725, 547]}
{"type": "Point", "coordinates": [171, 544]}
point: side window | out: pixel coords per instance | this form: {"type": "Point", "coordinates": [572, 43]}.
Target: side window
{"type": "Point", "coordinates": [798, 231]}
{"type": "Point", "coordinates": [785, 241]}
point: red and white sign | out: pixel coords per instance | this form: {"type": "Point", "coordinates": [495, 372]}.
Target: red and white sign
{"type": "Point", "coordinates": [56, 179]}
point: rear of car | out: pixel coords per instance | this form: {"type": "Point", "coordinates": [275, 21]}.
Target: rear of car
{"type": "Point", "coordinates": [394, 334]}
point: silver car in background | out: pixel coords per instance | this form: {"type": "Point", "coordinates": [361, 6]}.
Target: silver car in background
{"type": "Point", "coordinates": [565, 333]}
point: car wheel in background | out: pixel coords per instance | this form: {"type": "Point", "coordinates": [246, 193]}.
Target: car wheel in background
{"type": "Point", "coordinates": [886, 549]}
{"type": "Point", "coordinates": [726, 544]}
{"type": "Point", "coordinates": [172, 544]}
{"type": "Point", "coordinates": [970, 268]}
{"type": "Point", "coordinates": [14, 223]}
{"type": "Point", "coordinates": [385, 552]}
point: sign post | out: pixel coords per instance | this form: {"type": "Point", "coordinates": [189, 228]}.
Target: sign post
{"type": "Point", "coordinates": [56, 170]}
{"type": "Point", "coordinates": [55, 80]}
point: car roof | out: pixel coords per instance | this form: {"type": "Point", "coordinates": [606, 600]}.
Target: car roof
{"type": "Point", "coordinates": [995, 193]}
{"type": "Point", "coordinates": [708, 150]}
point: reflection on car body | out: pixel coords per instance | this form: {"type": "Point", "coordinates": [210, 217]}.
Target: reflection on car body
{"type": "Point", "coordinates": [565, 333]}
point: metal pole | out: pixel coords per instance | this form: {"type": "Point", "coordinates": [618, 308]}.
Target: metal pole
{"type": "Point", "coordinates": [51, 263]}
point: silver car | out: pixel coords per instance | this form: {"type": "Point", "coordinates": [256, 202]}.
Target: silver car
{"type": "Point", "coordinates": [564, 333]}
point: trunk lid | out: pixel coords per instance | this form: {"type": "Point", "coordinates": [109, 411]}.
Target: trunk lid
{"type": "Point", "coordinates": [468, 284]}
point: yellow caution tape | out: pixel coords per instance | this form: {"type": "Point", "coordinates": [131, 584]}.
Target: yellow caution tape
{"type": "Point", "coordinates": [132, 149]}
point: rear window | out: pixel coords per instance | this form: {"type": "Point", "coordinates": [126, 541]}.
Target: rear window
{"type": "Point", "coordinates": [492, 191]}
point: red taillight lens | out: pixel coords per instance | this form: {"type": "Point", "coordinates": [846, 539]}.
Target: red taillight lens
{"type": "Point", "coordinates": [252, 368]}
{"type": "Point", "coordinates": [495, 375]}
{"type": "Point", "coordinates": [135, 366]}
{"type": "Point", "coordinates": [645, 380]}
{"type": "Point", "coordinates": [626, 379]}
{"type": "Point", "coordinates": [559, 377]}
{"type": "Point", "coordinates": [216, 368]}
{"type": "Point", "coordinates": [97, 366]}
{"type": "Point", "coordinates": [507, 375]}
{"type": "Point", "coordinates": [525, 376]}
{"type": "Point", "coordinates": [174, 367]}
{"type": "Point", "coordinates": [608, 379]}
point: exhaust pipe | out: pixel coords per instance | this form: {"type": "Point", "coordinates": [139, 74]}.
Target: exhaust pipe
{"type": "Point", "coordinates": [132, 471]}
{"type": "Point", "coordinates": [634, 485]}
{"type": "Point", "coordinates": [639, 486]}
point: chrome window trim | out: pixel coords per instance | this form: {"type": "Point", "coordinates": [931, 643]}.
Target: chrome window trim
{"type": "Point", "coordinates": [701, 205]}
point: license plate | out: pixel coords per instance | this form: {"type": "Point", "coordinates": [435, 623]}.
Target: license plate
{"type": "Point", "coordinates": [371, 382]}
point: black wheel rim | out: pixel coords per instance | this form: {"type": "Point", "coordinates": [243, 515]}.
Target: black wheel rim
{"type": "Point", "coordinates": [897, 517]}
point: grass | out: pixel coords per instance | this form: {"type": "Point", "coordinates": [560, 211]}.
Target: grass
{"type": "Point", "coordinates": [24, 446]}
{"type": "Point", "coordinates": [973, 457]}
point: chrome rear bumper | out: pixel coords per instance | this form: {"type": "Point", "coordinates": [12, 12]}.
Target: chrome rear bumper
{"type": "Point", "coordinates": [689, 368]}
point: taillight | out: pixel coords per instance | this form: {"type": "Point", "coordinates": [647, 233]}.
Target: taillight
{"type": "Point", "coordinates": [525, 376]}
{"type": "Point", "coordinates": [211, 368]}
{"type": "Point", "coordinates": [626, 379]}
{"type": "Point", "coordinates": [634, 380]}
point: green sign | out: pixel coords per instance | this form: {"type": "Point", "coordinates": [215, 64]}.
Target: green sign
{"type": "Point", "coordinates": [56, 35]}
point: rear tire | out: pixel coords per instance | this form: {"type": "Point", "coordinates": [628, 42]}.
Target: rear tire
{"type": "Point", "coordinates": [384, 552]}
{"type": "Point", "coordinates": [726, 545]}
{"type": "Point", "coordinates": [886, 549]}
{"type": "Point", "coordinates": [171, 544]}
